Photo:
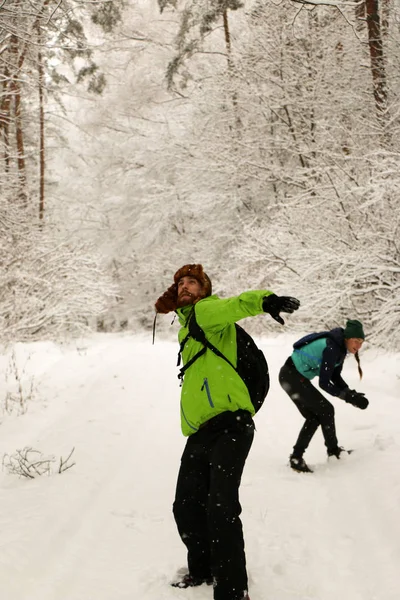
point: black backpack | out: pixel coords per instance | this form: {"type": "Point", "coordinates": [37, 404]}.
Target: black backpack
{"type": "Point", "coordinates": [251, 364]}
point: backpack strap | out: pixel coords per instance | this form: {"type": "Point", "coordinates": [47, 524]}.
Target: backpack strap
{"type": "Point", "coordinates": [311, 337]}
{"type": "Point", "coordinates": [183, 342]}
{"type": "Point", "coordinates": [196, 332]}
{"type": "Point", "coordinates": [189, 364]}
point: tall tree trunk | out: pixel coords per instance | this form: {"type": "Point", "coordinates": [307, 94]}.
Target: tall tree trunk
{"type": "Point", "coordinates": [5, 117]}
{"type": "Point", "coordinates": [377, 59]}
{"type": "Point", "coordinates": [19, 134]}
{"type": "Point", "coordinates": [41, 128]}
{"type": "Point", "coordinates": [231, 69]}
{"type": "Point", "coordinates": [6, 139]}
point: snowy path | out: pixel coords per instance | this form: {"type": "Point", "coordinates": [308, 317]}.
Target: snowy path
{"type": "Point", "coordinates": [104, 529]}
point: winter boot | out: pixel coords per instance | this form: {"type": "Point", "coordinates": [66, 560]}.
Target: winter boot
{"type": "Point", "coordinates": [338, 452]}
{"type": "Point", "coordinates": [244, 596]}
{"type": "Point", "coordinates": [189, 581]}
{"type": "Point", "coordinates": [299, 464]}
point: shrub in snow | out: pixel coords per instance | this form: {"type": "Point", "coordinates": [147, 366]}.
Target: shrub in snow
{"type": "Point", "coordinates": [31, 463]}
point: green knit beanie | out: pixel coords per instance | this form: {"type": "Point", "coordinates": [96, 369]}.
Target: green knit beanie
{"type": "Point", "coordinates": [354, 329]}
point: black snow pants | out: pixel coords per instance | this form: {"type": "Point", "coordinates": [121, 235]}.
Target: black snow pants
{"type": "Point", "coordinates": [207, 507]}
{"type": "Point", "coordinates": [314, 407]}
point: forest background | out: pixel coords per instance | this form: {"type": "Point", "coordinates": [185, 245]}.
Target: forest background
{"type": "Point", "coordinates": [260, 138]}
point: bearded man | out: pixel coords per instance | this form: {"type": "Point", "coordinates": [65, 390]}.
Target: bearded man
{"type": "Point", "coordinates": [217, 417]}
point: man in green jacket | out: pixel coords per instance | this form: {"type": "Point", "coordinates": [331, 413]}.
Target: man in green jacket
{"type": "Point", "coordinates": [216, 415]}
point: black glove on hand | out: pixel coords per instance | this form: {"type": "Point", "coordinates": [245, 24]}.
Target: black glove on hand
{"type": "Point", "coordinates": [360, 401]}
{"type": "Point", "coordinates": [274, 304]}
{"type": "Point", "coordinates": [357, 399]}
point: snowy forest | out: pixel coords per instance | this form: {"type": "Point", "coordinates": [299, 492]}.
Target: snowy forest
{"type": "Point", "coordinates": [260, 138]}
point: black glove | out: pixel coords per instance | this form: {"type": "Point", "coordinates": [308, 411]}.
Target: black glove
{"type": "Point", "coordinates": [273, 305]}
{"type": "Point", "coordinates": [357, 399]}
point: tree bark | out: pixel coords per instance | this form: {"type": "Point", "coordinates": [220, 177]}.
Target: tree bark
{"type": "Point", "coordinates": [19, 134]}
{"type": "Point", "coordinates": [42, 163]}
{"type": "Point", "coordinates": [5, 108]}
{"type": "Point", "coordinates": [228, 46]}
{"type": "Point", "coordinates": [377, 58]}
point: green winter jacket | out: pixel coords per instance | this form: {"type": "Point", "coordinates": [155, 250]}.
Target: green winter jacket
{"type": "Point", "coordinates": [210, 385]}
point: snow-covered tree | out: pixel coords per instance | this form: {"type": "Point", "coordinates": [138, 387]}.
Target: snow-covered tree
{"type": "Point", "coordinates": [265, 161]}
{"type": "Point", "coordinates": [47, 284]}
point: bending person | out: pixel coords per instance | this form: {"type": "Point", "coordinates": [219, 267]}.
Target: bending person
{"type": "Point", "coordinates": [321, 354]}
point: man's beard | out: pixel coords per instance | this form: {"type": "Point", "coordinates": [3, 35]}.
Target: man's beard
{"type": "Point", "coordinates": [185, 299]}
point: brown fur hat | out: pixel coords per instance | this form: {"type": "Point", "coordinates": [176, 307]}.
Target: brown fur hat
{"type": "Point", "coordinates": [168, 301]}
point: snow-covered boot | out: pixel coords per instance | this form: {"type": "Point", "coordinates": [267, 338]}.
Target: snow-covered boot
{"type": "Point", "coordinates": [339, 452]}
{"type": "Point", "coordinates": [189, 581]}
{"type": "Point", "coordinates": [299, 464]}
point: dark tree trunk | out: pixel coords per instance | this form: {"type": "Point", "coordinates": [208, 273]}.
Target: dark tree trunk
{"type": "Point", "coordinates": [41, 130]}
{"type": "Point", "coordinates": [19, 134]}
{"type": "Point", "coordinates": [5, 117]}
{"type": "Point", "coordinates": [228, 46]}
{"type": "Point", "coordinates": [377, 58]}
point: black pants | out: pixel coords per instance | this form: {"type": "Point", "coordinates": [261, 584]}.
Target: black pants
{"type": "Point", "coordinates": [207, 507]}
{"type": "Point", "coordinates": [314, 407]}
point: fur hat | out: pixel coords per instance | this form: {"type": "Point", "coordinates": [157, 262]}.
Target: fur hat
{"type": "Point", "coordinates": [354, 329]}
{"type": "Point", "coordinates": [168, 301]}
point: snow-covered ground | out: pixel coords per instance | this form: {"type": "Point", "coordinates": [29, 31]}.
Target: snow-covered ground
{"type": "Point", "coordinates": [103, 529]}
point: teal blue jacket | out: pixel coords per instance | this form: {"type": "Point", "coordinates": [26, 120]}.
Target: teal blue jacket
{"type": "Point", "coordinates": [323, 358]}
{"type": "Point", "coordinates": [210, 385]}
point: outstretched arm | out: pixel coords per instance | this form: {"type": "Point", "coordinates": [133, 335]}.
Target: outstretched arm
{"type": "Point", "coordinates": [211, 313]}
